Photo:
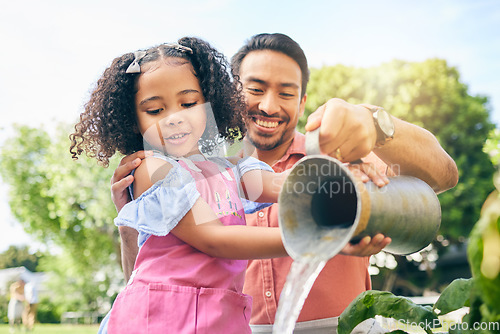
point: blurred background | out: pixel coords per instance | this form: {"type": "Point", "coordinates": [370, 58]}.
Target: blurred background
{"type": "Point", "coordinates": [432, 63]}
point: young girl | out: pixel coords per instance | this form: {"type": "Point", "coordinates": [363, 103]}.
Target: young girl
{"type": "Point", "coordinates": [188, 276]}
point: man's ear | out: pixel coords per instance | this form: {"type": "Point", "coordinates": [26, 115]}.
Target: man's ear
{"type": "Point", "coordinates": [302, 106]}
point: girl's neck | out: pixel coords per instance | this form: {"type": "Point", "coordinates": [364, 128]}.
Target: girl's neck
{"type": "Point", "coordinates": [186, 156]}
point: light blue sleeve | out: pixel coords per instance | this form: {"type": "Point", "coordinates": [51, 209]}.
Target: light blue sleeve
{"type": "Point", "coordinates": [252, 207]}
{"type": "Point", "coordinates": [103, 326]}
{"type": "Point", "coordinates": [245, 165]}
{"type": "Point", "coordinates": [250, 163]}
{"type": "Point", "coordinates": [160, 208]}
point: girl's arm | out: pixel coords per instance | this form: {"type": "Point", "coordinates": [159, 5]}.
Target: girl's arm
{"type": "Point", "coordinates": [201, 228]}
{"type": "Point", "coordinates": [262, 185]}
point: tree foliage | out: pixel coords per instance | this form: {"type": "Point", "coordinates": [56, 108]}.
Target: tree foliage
{"type": "Point", "coordinates": [19, 256]}
{"type": "Point", "coordinates": [66, 205]}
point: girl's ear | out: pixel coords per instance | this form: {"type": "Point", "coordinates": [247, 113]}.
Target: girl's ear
{"type": "Point", "coordinates": [136, 129]}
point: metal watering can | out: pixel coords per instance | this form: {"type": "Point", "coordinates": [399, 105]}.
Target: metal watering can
{"type": "Point", "coordinates": [322, 203]}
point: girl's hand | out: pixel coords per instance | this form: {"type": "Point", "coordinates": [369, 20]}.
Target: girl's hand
{"type": "Point", "coordinates": [121, 178]}
{"type": "Point", "coordinates": [367, 246]}
{"type": "Point", "coordinates": [366, 171]}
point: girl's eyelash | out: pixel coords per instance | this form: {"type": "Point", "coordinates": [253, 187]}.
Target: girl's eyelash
{"type": "Point", "coordinates": [154, 112]}
{"type": "Point", "coordinates": [157, 111]}
{"type": "Point", "coordinates": [187, 105]}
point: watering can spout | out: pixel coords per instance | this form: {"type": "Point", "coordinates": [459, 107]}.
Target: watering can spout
{"type": "Point", "coordinates": [322, 203]}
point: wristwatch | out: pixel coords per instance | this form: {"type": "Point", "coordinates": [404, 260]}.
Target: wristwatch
{"type": "Point", "coordinates": [383, 124]}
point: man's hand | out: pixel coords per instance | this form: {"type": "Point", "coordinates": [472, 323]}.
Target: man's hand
{"type": "Point", "coordinates": [367, 246]}
{"type": "Point", "coordinates": [121, 178]}
{"type": "Point", "coordinates": [129, 249]}
{"type": "Point", "coordinates": [347, 131]}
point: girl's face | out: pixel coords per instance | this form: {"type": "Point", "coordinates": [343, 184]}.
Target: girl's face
{"type": "Point", "coordinates": [169, 107]}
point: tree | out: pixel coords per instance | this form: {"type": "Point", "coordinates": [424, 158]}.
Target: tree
{"type": "Point", "coordinates": [428, 94]}
{"type": "Point", "coordinates": [492, 148]}
{"type": "Point", "coordinates": [19, 256]}
{"type": "Point", "coordinates": [65, 204]}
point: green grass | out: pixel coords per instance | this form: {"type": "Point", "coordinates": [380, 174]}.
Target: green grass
{"type": "Point", "coordinates": [55, 329]}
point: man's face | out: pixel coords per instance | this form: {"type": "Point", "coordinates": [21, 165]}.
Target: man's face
{"type": "Point", "coordinates": [272, 84]}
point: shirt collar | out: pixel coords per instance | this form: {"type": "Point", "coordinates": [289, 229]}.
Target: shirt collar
{"type": "Point", "coordinates": [298, 146]}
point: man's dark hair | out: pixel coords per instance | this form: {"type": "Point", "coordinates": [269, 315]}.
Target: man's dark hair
{"type": "Point", "coordinates": [274, 42]}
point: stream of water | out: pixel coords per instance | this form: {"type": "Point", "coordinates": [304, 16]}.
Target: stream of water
{"type": "Point", "coordinates": [299, 282]}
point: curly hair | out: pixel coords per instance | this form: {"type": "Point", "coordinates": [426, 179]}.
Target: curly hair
{"type": "Point", "coordinates": [109, 124]}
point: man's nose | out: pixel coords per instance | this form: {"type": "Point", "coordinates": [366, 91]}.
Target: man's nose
{"type": "Point", "coordinates": [269, 104]}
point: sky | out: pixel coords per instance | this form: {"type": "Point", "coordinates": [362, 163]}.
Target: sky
{"type": "Point", "coordinates": [52, 52]}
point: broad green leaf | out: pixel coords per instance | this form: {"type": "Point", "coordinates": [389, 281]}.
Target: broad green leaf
{"type": "Point", "coordinates": [371, 303]}
{"type": "Point", "coordinates": [455, 296]}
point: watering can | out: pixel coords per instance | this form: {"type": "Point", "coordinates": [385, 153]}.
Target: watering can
{"type": "Point", "coordinates": [323, 206]}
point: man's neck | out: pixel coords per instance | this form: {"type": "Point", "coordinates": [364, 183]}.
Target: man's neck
{"type": "Point", "coordinates": [272, 156]}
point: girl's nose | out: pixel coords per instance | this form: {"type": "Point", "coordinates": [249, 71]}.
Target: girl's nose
{"type": "Point", "coordinates": [176, 122]}
{"type": "Point", "coordinates": [173, 120]}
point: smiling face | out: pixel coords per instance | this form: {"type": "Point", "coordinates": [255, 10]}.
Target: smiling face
{"type": "Point", "coordinates": [272, 85]}
{"type": "Point", "coordinates": [169, 107]}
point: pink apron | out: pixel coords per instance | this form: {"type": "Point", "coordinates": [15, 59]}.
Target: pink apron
{"type": "Point", "coordinates": [178, 289]}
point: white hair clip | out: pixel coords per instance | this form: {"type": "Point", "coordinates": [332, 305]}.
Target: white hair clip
{"type": "Point", "coordinates": [179, 47]}
{"type": "Point", "coordinates": [134, 66]}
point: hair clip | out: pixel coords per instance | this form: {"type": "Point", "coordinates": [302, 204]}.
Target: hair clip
{"type": "Point", "coordinates": [134, 67]}
{"type": "Point", "coordinates": [179, 47]}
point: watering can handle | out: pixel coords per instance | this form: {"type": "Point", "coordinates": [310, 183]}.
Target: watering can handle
{"type": "Point", "coordinates": [312, 145]}
{"type": "Point", "coordinates": [312, 142]}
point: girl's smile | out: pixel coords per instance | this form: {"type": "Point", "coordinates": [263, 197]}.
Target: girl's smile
{"type": "Point", "coordinates": [177, 139]}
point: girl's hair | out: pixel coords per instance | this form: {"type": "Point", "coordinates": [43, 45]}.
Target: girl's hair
{"type": "Point", "coordinates": [109, 124]}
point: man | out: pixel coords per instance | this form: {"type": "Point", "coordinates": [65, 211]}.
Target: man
{"type": "Point", "coordinates": [273, 71]}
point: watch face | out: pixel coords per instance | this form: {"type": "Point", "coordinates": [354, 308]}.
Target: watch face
{"type": "Point", "coordinates": [385, 122]}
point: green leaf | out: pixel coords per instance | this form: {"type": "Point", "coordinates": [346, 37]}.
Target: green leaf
{"type": "Point", "coordinates": [371, 303]}
{"type": "Point", "coordinates": [455, 296]}
{"type": "Point", "coordinates": [498, 223]}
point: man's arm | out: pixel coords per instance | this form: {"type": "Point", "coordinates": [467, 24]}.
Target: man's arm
{"type": "Point", "coordinates": [120, 181]}
{"type": "Point", "coordinates": [348, 130]}
{"type": "Point", "coordinates": [415, 151]}
{"type": "Point", "coordinates": [129, 249]}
